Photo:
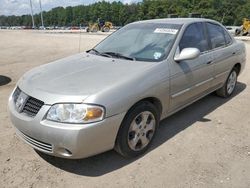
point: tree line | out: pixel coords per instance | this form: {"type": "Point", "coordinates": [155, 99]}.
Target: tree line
{"type": "Point", "coordinates": [229, 12]}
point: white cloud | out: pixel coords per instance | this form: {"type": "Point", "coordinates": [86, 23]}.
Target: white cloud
{"type": "Point", "coordinates": [19, 7]}
{"type": "Point", "coordinates": [128, 1]}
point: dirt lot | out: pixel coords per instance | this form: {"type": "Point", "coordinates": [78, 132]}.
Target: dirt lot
{"type": "Point", "coordinates": [204, 145]}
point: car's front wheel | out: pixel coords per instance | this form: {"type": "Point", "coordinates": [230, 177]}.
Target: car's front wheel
{"type": "Point", "coordinates": [137, 130]}
{"type": "Point", "coordinates": [228, 88]}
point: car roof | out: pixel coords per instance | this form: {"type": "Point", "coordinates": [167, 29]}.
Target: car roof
{"type": "Point", "coordinates": [180, 21]}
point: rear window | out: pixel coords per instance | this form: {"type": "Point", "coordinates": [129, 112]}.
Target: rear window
{"type": "Point", "coordinates": [216, 35]}
{"type": "Point", "coordinates": [227, 37]}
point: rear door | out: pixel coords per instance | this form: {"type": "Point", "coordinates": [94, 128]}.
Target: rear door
{"type": "Point", "coordinates": [223, 52]}
{"type": "Point", "coordinates": [192, 78]}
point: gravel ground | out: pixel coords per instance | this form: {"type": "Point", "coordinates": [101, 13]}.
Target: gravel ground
{"type": "Point", "coordinates": [204, 145]}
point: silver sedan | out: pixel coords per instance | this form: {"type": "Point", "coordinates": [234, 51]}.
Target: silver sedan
{"type": "Point", "coordinates": [114, 95]}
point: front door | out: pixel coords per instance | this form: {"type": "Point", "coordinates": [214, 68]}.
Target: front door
{"type": "Point", "coordinates": [192, 78]}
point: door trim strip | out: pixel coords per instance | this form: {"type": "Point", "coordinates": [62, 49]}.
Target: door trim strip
{"type": "Point", "coordinates": [191, 88]}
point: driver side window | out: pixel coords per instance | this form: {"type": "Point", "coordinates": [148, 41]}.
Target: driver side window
{"type": "Point", "coordinates": [194, 37]}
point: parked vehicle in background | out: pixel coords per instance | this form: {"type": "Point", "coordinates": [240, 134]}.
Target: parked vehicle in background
{"type": "Point", "coordinates": [3, 27]}
{"type": "Point", "coordinates": [232, 29]}
{"type": "Point", "coordinates": [244, 29]}
{"type": "Point", "coordinates": [100, 25]}
{"type": "Point", "coordinates": [195, 15]}
{"type": "Point", "coordinates": [114, 95]}
{"type": "Point", "coordinates": [42, 28]}
{"type": "Point", "coordinates": [27, 27]}
{"type": "Point", "coordinates": [75, 28]}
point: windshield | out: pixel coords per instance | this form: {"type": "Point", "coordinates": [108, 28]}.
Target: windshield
{"type": "Point", "coordinates": [139, 41]}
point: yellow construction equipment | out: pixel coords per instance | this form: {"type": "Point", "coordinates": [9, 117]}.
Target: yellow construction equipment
{"type": "Point", "coordinates": [244, 29]}
{"type": "Point", "coordinates": [101, 25]}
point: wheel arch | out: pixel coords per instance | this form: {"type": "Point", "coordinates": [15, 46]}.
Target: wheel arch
{"type": "Point", "coordinates": [237, 66]}
{"type": "Point", "coordinates": [153, 100]}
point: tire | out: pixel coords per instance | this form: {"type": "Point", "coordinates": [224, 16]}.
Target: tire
{"type": "Point", "coordinates": [245, 34]}
{"type": "Point", "coordinates": [238, 32]}
{"type": "Point", "coordinates": [94, 30]}
{"type": "Point", "coordinates": [137, 130]}
{"type": "Point", "coordinates": [228, 88]}
{"type": "Point", "coordinates": [106, 29]}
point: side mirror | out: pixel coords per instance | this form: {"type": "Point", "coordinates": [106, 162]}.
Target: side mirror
{"type": "Point", "coordinates": [187, 54]}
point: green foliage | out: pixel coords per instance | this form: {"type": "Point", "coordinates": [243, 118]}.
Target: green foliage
{"type": "Point", "coordinates": [229, 12]}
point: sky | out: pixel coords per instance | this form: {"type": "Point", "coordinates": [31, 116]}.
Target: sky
{"type": "Point", "coordinates": [20, 7]}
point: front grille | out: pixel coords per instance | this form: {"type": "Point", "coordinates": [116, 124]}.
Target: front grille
{"type": "Point", "coordinates": [36, 143]}
{"type": "Point", "coordinates": [31, 106]}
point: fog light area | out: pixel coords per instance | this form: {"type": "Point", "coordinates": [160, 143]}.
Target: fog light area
{"type": "Point", "coordinates": [64, 152]}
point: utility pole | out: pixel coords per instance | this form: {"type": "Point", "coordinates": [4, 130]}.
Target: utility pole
{"type": "Point", "coordinates": [41, 12]}
{"type": "Point", "coordinates": [33, 24]}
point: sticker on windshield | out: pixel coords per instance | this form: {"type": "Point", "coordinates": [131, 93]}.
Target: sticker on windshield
{"type": "Point", "coordinates": [157, 55]}
{"type": "Point", "coordinates": [166, 30]}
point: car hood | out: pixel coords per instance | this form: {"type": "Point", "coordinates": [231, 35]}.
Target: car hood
{"type": "Point", "coordinates": [74, 78]}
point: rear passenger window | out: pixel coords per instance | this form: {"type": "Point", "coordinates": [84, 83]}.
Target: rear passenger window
{"type": "Point", "coordinates": [194, 37]}
{"type": "Point", "coordinates": [227, 37]}
{"type": "Point", "coordinates": [216, 35]}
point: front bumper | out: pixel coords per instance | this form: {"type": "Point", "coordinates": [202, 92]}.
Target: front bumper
{"type": "Point", "coordinates": [65, 140]}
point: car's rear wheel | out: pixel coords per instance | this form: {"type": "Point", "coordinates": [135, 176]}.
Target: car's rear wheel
{"type": "Point", "coordinates": [137, 130]}
{"type": "Point", "coordinates": [228, 88]}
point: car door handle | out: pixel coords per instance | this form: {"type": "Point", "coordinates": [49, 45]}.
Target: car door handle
{"type": "Point", "coordinates": [210, 62]}
{"type": "Point", "coordinates": [234, 53]}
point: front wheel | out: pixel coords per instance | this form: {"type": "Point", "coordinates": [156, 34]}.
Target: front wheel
{"type": "Point", "coordinates": [105, 29]}
{"type": "Point", "coordinates": [228, 88]}
{"type": "Point", "coordinates": [137, 130]}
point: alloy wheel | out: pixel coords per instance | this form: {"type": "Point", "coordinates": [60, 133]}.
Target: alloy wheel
{"type": "Point", "coordinates": [141, 131]}
{"type": "Point", "coordinates": [231, 82]}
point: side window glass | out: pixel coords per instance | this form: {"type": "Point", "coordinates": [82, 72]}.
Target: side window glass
{"type": "Point", "coordinates": [194, 37]}
{"type": "Point", "coordinates": [216, 34]}
{"type": "Point", "coordinates": [227, 37]}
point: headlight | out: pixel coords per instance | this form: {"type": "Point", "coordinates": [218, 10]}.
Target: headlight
{"type": "Point", "coordinates": [75, 113]}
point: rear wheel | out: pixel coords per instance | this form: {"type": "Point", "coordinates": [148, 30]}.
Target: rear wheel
{"type": "Point", "coordinates": [137, 130]}
{"type": "Point", "coordinates": [228, 88]}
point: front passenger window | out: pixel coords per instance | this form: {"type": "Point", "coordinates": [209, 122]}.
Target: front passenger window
{"type": "Point", "coordinates": [194, 37]}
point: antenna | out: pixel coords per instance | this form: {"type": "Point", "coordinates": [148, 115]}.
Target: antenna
{"type": "Point", "coordinates": [33, 24]}
{"type": "Point", "coordinates": [80, 37]}
{"type": "Point", "coordinates": [41, 12]}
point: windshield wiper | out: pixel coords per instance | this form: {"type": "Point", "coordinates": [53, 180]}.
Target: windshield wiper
{"type": "Point", "coordinates": [94, 50]}
{"type": "Point", "coordinates": [118, 55]}
{"type": "Point", "coordinates": [111, 54]}
{"type": "Point", "coordinates": [98, 53]}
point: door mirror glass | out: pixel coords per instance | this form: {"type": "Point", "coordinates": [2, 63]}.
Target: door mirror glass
{"type": "Point", "coordinates": [187, 54]}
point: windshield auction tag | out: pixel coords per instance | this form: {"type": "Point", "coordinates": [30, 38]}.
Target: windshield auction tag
{"type": "Point", "coordinates": [166, 30]}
